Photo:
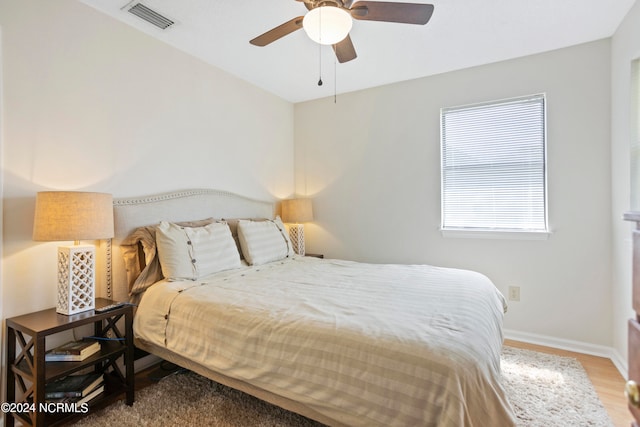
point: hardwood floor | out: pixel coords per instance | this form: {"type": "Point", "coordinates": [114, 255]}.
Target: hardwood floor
{"type": "Point", "coordinates": [606, 379]}
{"type": "Point", "coordinates": [155, 373]}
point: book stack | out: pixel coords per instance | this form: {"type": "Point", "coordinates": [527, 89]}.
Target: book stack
{"type": "Point", "coordinates": [80, 388]}
{"type": "Point", "coordinates": [72, 351]}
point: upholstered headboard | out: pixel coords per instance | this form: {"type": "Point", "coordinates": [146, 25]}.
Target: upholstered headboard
{"type": "Point", "coordinates": [187, 205]}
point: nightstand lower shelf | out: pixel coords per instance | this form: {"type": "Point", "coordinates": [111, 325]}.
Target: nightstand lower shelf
{"type": "Point", "coordinates": [28, 373]}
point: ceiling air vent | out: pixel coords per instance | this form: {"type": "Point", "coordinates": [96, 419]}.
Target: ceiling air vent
{"type": "Point", "coordinates": [151, 16]}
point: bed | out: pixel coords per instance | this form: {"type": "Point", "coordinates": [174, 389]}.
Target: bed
{"type": "Point", "coordinates": [343, 343]}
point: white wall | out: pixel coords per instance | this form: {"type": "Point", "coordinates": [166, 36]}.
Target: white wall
{"type": "Point", "coordinates": [92, 104]}
{"type": "Point", "coordinates": [625, 47]}
{"type": "Point", "coordinates": [371, 162]}
{"type": "Point", "coordinates": [2, 338]}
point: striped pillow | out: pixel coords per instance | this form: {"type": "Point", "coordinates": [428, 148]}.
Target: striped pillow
{"type": "Point", "coordinates": [188, 253]}
{"type": "Point", "coordinates": [264, 241]}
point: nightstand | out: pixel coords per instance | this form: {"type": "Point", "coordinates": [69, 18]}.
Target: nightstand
{"type": "Point", "coordinates": [315, 255]}
{"type": "Point", "coordinates": [26, 366]}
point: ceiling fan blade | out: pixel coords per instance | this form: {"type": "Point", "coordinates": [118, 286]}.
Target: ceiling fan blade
{"type": "Point", "coordinates": [278, 32]}
{"type": "Point", "coordinates": [344, 50]}
{"type": "Point", "coordinates": [404, 13]}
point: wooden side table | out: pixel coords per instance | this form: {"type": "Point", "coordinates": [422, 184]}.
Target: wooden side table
{"type": "Point", "coordinates": [315, 255]}
{"type": "Point", "coordinates": [26, 366]}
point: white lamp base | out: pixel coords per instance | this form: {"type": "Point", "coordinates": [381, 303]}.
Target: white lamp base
{"type": "Point", "coordinates": [296, 234]}
{"type": "Point", "coordinates": [76, 279]}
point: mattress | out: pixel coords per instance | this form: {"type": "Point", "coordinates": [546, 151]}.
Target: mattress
{"type": "Point", "coordinates": [361, 344]}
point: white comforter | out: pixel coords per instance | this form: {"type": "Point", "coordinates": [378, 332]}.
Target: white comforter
{"type": "Point", "coordinates": [363, 344]}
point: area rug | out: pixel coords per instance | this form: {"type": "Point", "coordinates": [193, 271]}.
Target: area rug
{"type": "Point", "coordinates": [547, 390]}
{"type": "Point", "coordinates": [544, 390]}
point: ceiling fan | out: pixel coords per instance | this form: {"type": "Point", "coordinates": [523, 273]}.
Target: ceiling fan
{"type": "Point", "coordinates": [329, 21]}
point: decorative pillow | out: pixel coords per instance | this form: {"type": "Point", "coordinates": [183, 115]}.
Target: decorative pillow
{"type": "Point", "coordinates": [233, 226]}
{"type": "Point", "coordinates": [141, 260]}
{"type": "Point", "coordinates": [188, 253]}
{"type": "Point", "coordinates": [264, 241]}
{"type": "Point", "coordinates": [140, 256]}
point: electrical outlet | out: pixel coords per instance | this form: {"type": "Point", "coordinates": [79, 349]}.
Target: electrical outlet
{"type": "Point", "coordinates": [514, 293]}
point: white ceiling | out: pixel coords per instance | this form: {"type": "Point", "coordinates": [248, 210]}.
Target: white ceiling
{"type": "Point", "coordinates": [461, 34]}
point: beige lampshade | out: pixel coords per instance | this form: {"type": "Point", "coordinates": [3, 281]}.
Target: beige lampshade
{"type": "Point", "coordinates": [72, 215]}
{"type": "Point", "coordinates": [297, 210]}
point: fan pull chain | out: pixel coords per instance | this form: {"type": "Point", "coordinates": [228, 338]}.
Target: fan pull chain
{"type": "Point", "coordinates": [320, 49]}
{"type": "Point", "coordinates": [319, 64]}
{"type": "Point", "coordinates": [335, 81]}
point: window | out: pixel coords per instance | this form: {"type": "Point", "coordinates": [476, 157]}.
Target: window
{"type": "Point", "coordinates": [493, 166]}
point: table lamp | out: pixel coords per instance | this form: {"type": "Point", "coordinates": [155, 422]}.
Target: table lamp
{"type": "Point", "coordinates": [74, 215]}
{"type": "Point", "coordinates": [295, 212]}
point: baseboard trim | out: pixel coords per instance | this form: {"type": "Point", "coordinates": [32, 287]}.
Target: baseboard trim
{"type": "Point", "coordinates": [620, 363]}
{"type": "Point", "coordinates": [145, 362]}
{"type": "Point", "coordinates": [570, 345]}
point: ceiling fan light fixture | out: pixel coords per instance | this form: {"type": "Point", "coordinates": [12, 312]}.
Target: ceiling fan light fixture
{"type": "Point", "coordinates": [327, 24]}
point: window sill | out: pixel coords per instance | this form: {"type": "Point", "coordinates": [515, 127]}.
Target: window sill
{"type": "Point", "coordinates": [496, 234]}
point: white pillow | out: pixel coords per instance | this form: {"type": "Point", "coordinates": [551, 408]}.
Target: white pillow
{"type": "Point", "coordinates": [264, 241]}
{"type": "Point", "coordinates": [192, 252]}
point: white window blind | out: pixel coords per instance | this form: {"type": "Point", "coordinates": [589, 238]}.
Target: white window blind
{"type": "Point", "coordinates": [493, 166]}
